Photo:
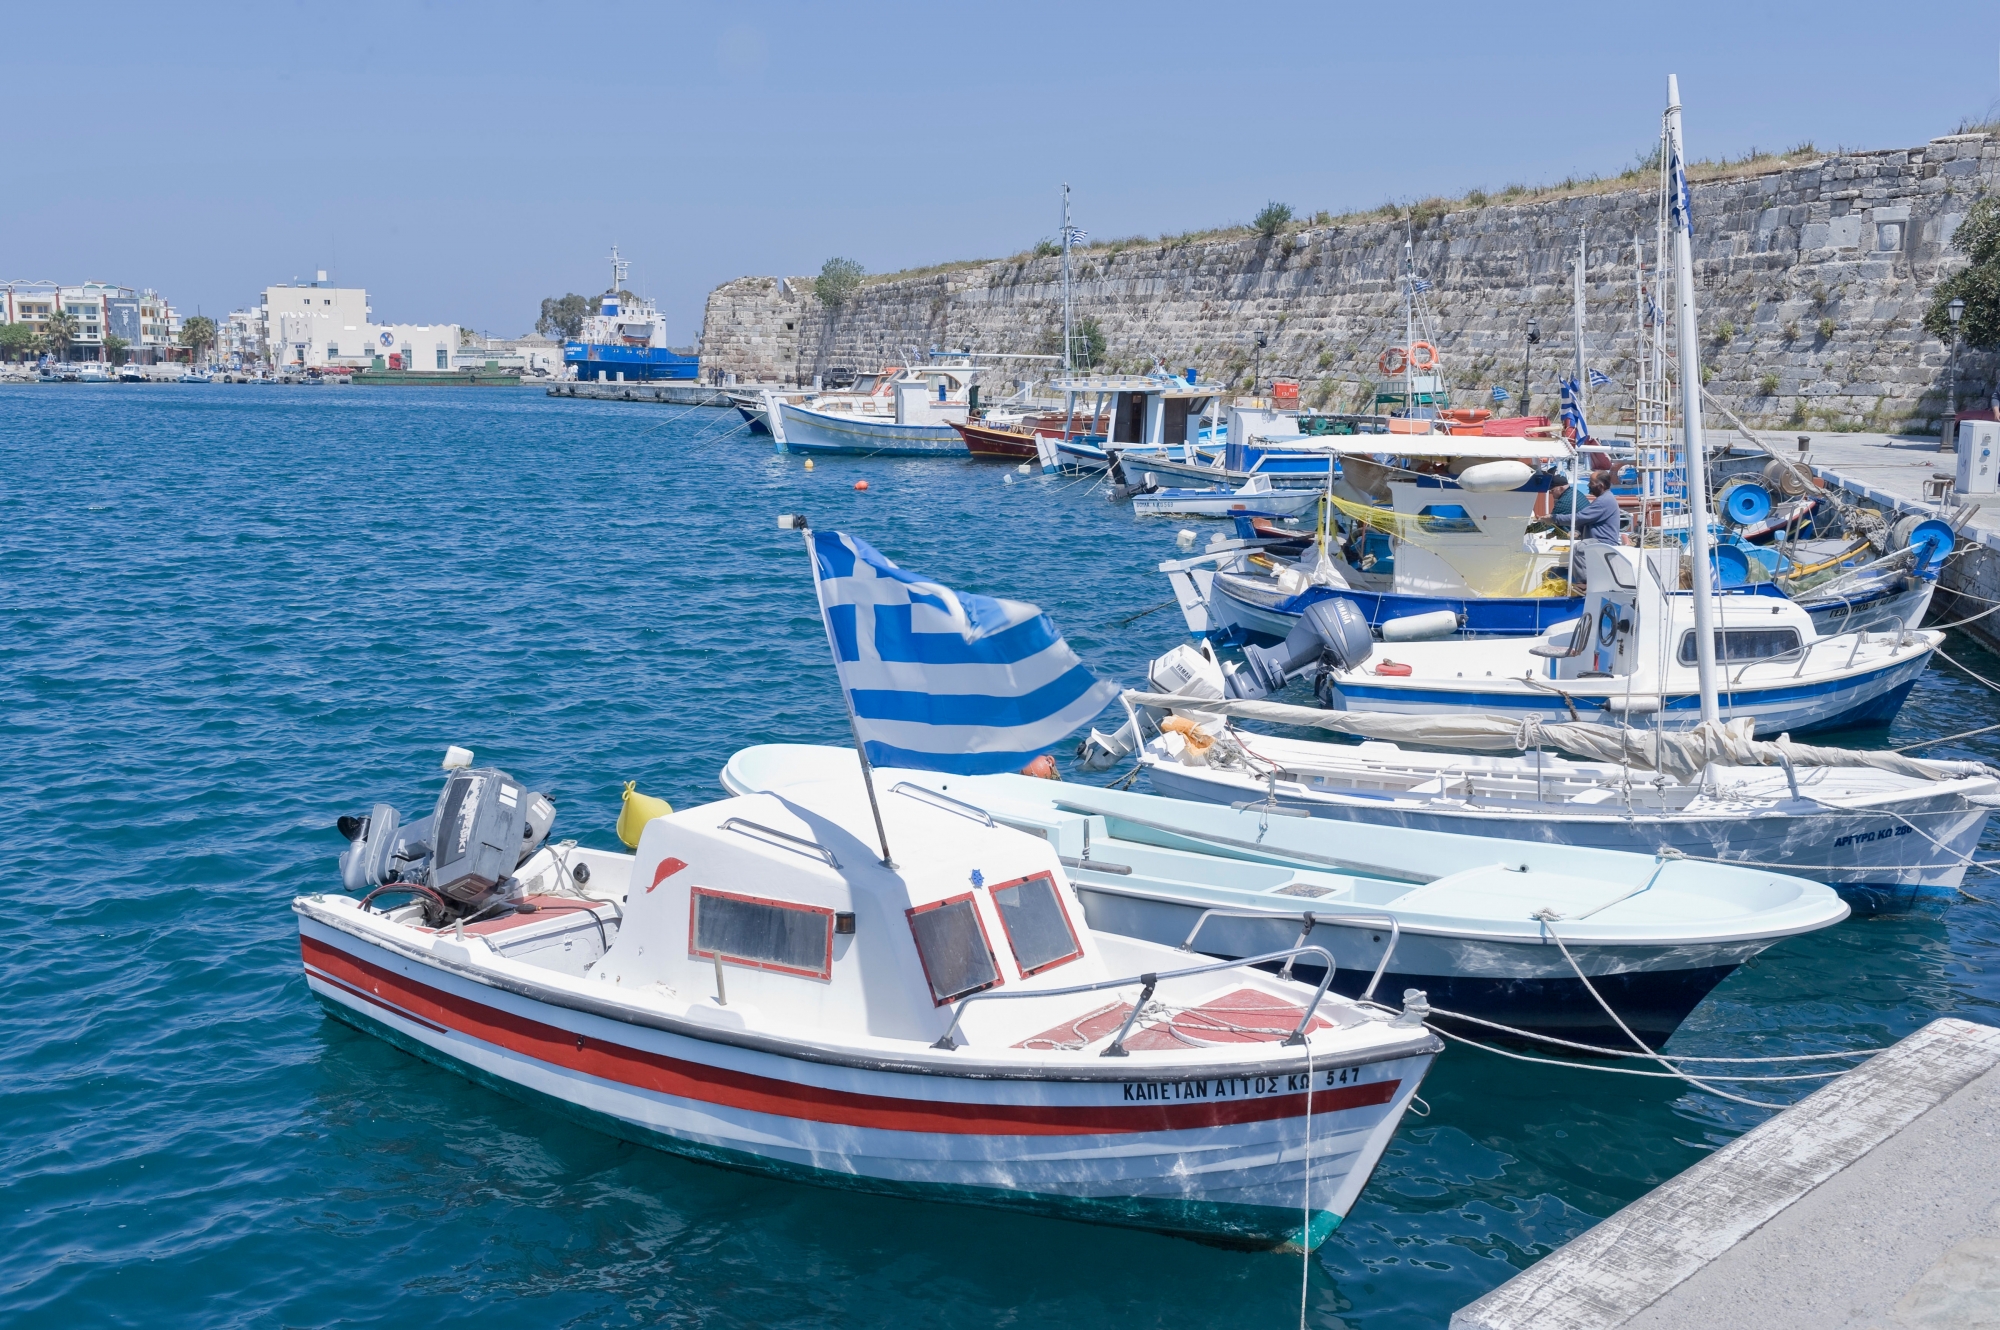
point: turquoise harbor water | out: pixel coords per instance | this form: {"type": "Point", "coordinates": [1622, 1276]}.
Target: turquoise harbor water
{"type": "Point", "coordinates": [233, 613]}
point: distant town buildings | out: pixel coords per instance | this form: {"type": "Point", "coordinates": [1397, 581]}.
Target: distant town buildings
{"type": "Point", "coordinates": [312, 327]}
{"type": "Point", "coordinates": [103, 318]}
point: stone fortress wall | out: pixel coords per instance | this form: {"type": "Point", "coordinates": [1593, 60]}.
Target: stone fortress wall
{"type": "Point", "coordinates": [1812, 283]}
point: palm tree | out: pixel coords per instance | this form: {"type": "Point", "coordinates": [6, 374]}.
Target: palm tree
{"type": "Point", "coordinates": [60, 332]}
{"type": "Point", "coordinates": [196, 333]}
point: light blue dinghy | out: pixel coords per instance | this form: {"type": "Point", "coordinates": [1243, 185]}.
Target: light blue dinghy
{"type": "Point", "coordinates": [1475, 923]}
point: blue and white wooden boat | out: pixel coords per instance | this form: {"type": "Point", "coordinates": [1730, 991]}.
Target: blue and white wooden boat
{"type": "Point", "coordinates": [1255, 498]}
{"type": "Point", "coordinates": [913, 419]}
{"type": "Point", "coordinates": [1631, 657]}
{"type": "Point", "coordinates": [1468, 920]}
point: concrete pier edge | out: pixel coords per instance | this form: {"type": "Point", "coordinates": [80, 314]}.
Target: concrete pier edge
{"type": "Point", "coordinates": [1635, 1259]}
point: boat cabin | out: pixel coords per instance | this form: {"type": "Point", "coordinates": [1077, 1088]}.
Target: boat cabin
{"type": "Point", "coordinates": [1144, 411]}
{"type": "Point", "coordinates": [775, 909]}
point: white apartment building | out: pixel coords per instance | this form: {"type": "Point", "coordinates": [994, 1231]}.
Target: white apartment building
{"type": "Point", "coordinates": [142, 320]}
{"type": "Point", "coordinates": [318, 325]}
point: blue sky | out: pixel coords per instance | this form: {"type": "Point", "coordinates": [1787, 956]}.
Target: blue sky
{"type": "Point", "coordinates": [463, 161]}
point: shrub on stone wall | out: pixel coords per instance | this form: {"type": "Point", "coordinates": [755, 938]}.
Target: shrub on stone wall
{"type": "Point", "coordinates": [1977, 237]}
{"type": "Point", "coordinates": [1272, 218]}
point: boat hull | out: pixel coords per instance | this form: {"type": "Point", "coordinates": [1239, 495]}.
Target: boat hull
{"type": "Point", "coordinates": [997, 445]}
{"type": "Point", "coordinates": [1527, 985]}
{"type": "Point", "coordinates": [1224, 1162]}
{"type": "Point", "coordinates": [1859, 851]}
{"type": "Point", "coordinates": [823, 433]}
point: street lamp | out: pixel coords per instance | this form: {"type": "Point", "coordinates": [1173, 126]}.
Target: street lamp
{"type": "Point", "coordinates": [1256, 362]}
{"type": "Point", "coordinates": [1534, 336]}
{"type": "Point", "coordinates": [1956, 309]}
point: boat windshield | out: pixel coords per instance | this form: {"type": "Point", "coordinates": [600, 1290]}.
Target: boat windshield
{"type": "Point", "coordinates": [1038, 927]}
{"type": "Point", "coordinates": [1733, 645]}
{"type": "Point", "coordinates": [951, 943]}
{"type": "Point", "coordinates": [767, 934]}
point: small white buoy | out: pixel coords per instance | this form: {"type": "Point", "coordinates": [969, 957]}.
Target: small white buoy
{"type": "Point", "coordinates": [1007, 479]}
{"type": "Point", "coordinates": [1023, 468]}
{"type": "Point", "coordinates": [809, 464]}
{"type": "Point", "coordinates": [1185, 539]}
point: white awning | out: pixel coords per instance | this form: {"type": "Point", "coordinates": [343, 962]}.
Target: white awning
{"type": "Point", "coordinates": [1486, 446]}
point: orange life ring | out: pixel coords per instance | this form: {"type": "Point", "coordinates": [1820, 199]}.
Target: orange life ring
{"type": "Point", "coordinates": [1392, 361]}
{"type": "Point", "coordinates": [1423, 356]}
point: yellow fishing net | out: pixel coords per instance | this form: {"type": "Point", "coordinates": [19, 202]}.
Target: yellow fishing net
{"type": "Point", "coordinates": [1486, 570]}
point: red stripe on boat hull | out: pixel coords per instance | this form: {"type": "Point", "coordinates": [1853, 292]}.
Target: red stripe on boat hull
{"type": "Point", "coordinates": [727, 1088]}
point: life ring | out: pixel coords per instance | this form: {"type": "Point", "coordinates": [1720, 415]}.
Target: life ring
{"type": "Point", "coordinates": [1392, 362]}
{"type": "Point", "coordinates": [1423, 356]}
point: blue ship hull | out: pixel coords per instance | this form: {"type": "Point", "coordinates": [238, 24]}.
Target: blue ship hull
{"type": "Point", "coordinates": [638, 364]}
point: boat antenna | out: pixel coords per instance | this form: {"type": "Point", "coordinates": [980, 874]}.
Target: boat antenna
{"type": "Point", "coordinates": [1696, 458]}
{"type": "Point", "coordinates": [797, 521]}
{"type": "Point", "coordinates": [618, 269]}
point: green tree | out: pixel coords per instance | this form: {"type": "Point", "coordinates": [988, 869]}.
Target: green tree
{"type": "Point", "coordinates": [563, 316]}
{"type": "Point", "coordinates": [1978, 285]}
{"type": "Point", "coordinates": [60, 332]}
{"type": "Point", "coordinates": [838, 280]}
{"type": "Point", "coordinates": [18, 341]}
{"type": "Point", "coordinates": [1086, 343]}
{"type": "Point", "coordinates": [196, 333]}
{"type": "Point", "coordinates": [116, 347]}
{"type": "Point", "coordinates": [1273, 218]}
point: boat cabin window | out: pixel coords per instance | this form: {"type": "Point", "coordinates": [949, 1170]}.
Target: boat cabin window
{"type": "Point", "coordinates": [1740, 644]}
{"type": "Point", "coordinates": [766, 934]}
{"type": "Point", "coordinates": [1037, 925]}
{"type": "Point", "coordinates": [1446, 517]}
{"type": "Point", "coordinates": [951, 943]}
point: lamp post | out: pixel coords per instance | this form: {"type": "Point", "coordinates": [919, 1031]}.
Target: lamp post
{"type": "Point", "coordinates": [1534, 336]}
{"type": "Point", "coordinates": [1257, 361]}
{"type": "Point", "coordinates": [1948, 432]}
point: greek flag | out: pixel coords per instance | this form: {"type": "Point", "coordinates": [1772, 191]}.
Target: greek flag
{"type": "Point", "coordinates": [1419, 285]}
{"type": "Point", "coordinates": [1572, 415]}
{"type": "Point", "coordinates": [1683, 206]}
{"type": "Point", "coordinates": [941, 680]}
{"type": "Point", "coordinates": [1499, 395]}
{"type": "Point", "coordinates": [1599, 378]}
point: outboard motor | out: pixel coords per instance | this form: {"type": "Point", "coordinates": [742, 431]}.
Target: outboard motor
{"type": "Point", "coordinates": [1334, 630]}
{"type": "Point", "coordinates": [486, 824]}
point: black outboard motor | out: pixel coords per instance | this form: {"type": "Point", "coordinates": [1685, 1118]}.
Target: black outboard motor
{"type": "Point", "coordinates": [1332, 630]}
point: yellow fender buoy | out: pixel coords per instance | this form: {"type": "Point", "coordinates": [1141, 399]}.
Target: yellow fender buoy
{"type": "Point", "coordinates": [638, 810]}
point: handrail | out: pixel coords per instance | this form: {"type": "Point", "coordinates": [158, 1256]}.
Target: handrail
{"type": "Point", "coordinates": [938, 799]}
{"type": "Point", "coordinates": [746, 827]}
{"type": "Point", "coordinates": [1312, 919]}
{"type": "Point", "coordinates": [1150, 981]}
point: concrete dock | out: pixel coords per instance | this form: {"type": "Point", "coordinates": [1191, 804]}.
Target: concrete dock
{"type": "Point", "coordinates": [671, 394]}
{"type": "Point", "coordinates": [1907, 474]}
{"type": "Point", "coordinates": [1874, 1201]}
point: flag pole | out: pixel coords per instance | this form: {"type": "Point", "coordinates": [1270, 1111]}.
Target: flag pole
{"type": "Point", "coordinates": [788, 521]}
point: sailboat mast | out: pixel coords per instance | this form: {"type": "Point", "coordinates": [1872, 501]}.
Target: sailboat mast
{"type": "Point", "coordinates": [1409, 328]}
{"type": "Point", "coordinates": [1691, 433]}
{"type": "Point", "coordinates": [1065, 280]}
{"type": "Point", "coordinates": [1581, 375]}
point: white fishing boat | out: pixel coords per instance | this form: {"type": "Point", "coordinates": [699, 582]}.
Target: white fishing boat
{"type": "Point", "coordinates": [912, 418]}
{"type": "Point", "coordinates": [1868, 823]}
{"type": "Point", "coordinates": [1469, 921]}
{"type": "Point", "coordinates": [754, 987]}
{"type": "Point", "coordinates": [1255, 498]}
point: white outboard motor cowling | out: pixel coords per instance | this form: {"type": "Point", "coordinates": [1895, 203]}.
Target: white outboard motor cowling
{"type": "Point", "coordinates": [1332, 630]}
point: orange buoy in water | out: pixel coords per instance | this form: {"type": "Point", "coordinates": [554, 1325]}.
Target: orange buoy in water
{"type": "Point", "coordinates": [861, 484]}
{"type": "Point", "coordinates": [1043, 766]}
